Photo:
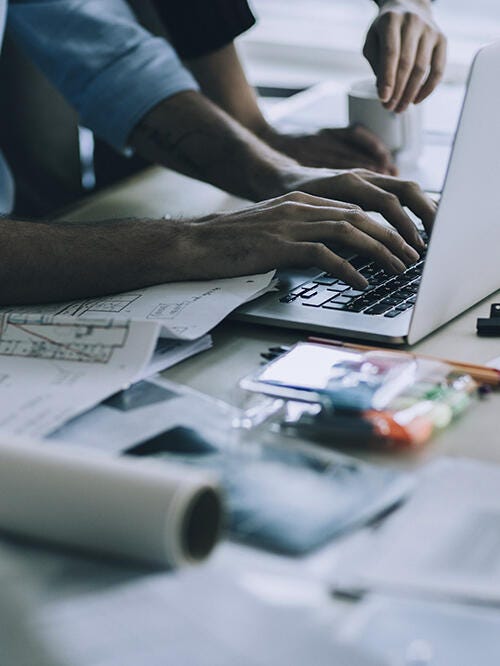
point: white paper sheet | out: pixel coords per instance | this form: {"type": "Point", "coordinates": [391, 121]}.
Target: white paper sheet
{"type": "Point", "coordinates": [185, 310]}
{"type": "Point", "coordinates": [444, 542]}
{"type": "Point", "coordinates": [53, 368]}
{"type": "Point", "coordinates": [169, 352]}
{"type": "Point", "coordinates": [166, 515]}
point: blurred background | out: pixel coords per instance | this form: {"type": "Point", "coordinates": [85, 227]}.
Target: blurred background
{"type": "Point", "coordinates": [295, 44]}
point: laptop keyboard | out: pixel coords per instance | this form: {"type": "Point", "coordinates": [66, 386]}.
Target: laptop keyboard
{"type": "Point", "coordinates": [387, 295]}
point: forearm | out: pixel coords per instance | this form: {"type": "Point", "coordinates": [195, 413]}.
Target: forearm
{"type": "Point", "coordinates": [222, 79]}
{"type": "Point", "coordinates": [420, 3]}
{"type": "Point", "coordinates": [50, 262]}
{"type": "Point", "coordinates": [190, 134]}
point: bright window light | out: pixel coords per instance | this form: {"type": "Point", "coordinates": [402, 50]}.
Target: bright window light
{"type": "Point", "coordinates": [312, 36]}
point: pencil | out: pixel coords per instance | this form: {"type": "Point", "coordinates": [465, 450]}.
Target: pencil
{"type": "Point", "coordinates": [481, 373]}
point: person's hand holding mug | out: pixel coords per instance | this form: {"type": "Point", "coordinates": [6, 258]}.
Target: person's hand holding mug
{"type": "Point", "coordinates": [407, 52]}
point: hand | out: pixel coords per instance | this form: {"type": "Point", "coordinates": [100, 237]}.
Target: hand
{"type": "Point", "coordinates": [372, 192]}
{"type": "Point", "coordinates": [295, 230]}
{"type": "Point", "coordinates": [407, 52]}
{"type": "Point", "coordinates": [339, 148]}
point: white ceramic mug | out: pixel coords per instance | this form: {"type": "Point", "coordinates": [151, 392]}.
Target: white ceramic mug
{"type": "Point", "coordinates": [401, 132]}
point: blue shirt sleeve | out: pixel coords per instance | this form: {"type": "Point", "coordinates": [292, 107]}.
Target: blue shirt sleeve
{"type": "Point", "coordinates": [107, 66]}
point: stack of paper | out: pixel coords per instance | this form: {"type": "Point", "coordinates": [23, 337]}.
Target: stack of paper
{"type": "Point", "coordinates": [185, 310]}
{"type": "Point", "coordinates": [57, 361]}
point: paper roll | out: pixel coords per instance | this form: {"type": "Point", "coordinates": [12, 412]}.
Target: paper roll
{"type": "Point", "coordinates": [158, 513]}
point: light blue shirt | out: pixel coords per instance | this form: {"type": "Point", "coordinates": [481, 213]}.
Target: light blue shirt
{"type": "Point", "coordinates": [105, 64]}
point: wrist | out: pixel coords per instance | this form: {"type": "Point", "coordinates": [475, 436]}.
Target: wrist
{"type": "Point", "coordinates": [416, 4]}
{"type": "Point", "coordinates": [299, 178]}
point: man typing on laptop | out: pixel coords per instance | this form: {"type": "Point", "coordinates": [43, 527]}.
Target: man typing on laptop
{"type": "Point", "coordinates": [132, 90]}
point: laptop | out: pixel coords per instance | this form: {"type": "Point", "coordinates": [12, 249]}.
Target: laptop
{"type": "Point", "coordinates": [462, 261]}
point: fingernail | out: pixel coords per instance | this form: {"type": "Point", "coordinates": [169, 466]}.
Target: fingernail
{"type": "Point", "coordinates": [412, 255]}
{"type": "Point", "coordinates": [384, 93]}
{"type": "Point", "coordinates": [361, 282]}
{"type": "Point", "coordinates": [397, 265]}
{"type": "Point", "coordinates": [420, 243]}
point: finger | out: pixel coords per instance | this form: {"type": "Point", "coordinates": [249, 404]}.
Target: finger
{"type": "Point", "coordinates": [413, 197]}
{"type": "Point", "coordinates": [410, 38]}
{"type": "Point", "coordinates": [310, 254]}
{"type": "Point", "coordinates": [379, 197]}
{"type": "Point", "coordinates": [340, 153]}
{"type": "Point", "coordinates": [351, 157]}
{"type": "Point", "coordinates": [369, 142]}
{"type": "Point", "coordinates": [385, 235]}
{"type": "Point", "coordinates": [357, 218]}
{"type": "Point", "coordinates": [420, 68]}
{"type": "Point", "coordinates": [438, 63]}
{"type": "Point", "coordinates": [352, 161]}
{"type": "Point", "coordinates": [389, 48]}
{"type": "Point", "coordinates": [344, 235]}
{"type": "Point", "coordinates": [370, 48]}
{"type": "Point", "coordinates": [301, 205]}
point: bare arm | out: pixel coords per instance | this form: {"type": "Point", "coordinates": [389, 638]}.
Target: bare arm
{"type": "Point", "coordinates": [192, 135]}
{"type": "Point", "coordinates": [50, 262]}
{"type": "Point", "coordinates": [42, 262]}
{"type": "Point", "coordinates": [223, 80]}
{"type": "Point", "coordinates": [46, 261]}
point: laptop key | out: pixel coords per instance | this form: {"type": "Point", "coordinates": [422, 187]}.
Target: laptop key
{"type": "Point", "coordinates": [353, 293]}
{"type": "Point", "coordinates": [393, 299]}
{"type": "Point", "coordinates": [360, 262]}
{"type": "Point", "coordinates": [332, 305]}
{"type": "Point", "coordinates": [393, 313]}
{"type": "Point", "coordinates": [355, 307]}
{"type": "Point", "coordinates": [342, 299]}
{"type": "Point", "coordinates": [325, 280]}
{"type": "Point", "coordinates": [308, 286]}
{"type": "Point", "coordinates": [317, 300]}
{"type": "Point", "coordinates": [309, 294]}
{"type": "Point", "coordinates": [379, 308]}
{"type": "Point", "coordinates": [288, 298]}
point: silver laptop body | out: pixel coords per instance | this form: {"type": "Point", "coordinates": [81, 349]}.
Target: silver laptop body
{"type": "Point", "coordinates": [463, 259]}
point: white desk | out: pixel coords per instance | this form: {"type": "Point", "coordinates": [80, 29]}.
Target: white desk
{"type": "Point", "coordinates": [255, 604]}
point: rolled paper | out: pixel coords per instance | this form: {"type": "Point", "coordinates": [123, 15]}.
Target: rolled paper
{"type": "Point", "coordinates": [151, 511]}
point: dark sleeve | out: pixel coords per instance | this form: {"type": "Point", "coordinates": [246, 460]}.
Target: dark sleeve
{"type": "Point", "coordinates": [198, 27]}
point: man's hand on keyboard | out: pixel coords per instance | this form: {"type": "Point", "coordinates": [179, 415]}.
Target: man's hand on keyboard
{"type": "Point", "coordinates": [192, 135]}
{"type": "Point", "coordinates": [372, 192]}
{"type": "Point", "coordinates": [296, 230]}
